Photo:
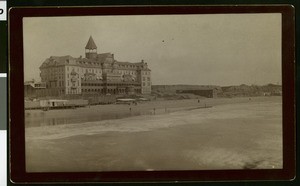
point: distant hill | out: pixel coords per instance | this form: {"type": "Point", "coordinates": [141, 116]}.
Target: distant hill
{"type": "Point", "coordinates": [185, 91]}
{"type": "Point", "coordinates": [175, 91]}
{"type": "Point", "coordinates": [251, 90]}
{"type": "Point", "coordinates": [174, 88]}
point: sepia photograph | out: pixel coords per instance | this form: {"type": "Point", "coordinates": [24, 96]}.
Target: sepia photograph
{"type": "Point", "coordinates": [153, 92]}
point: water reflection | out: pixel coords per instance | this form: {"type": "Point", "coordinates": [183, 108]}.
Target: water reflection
{"type": "Point", "coordinates": [47, 118]}
{"type": "Point", "coordinates": [34, 119]}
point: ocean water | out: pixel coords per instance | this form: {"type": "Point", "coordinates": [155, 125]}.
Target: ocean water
{"type": "Point", "coordinates": [41, 118]}
{"type": "Point", "coordinates": [229, 136]}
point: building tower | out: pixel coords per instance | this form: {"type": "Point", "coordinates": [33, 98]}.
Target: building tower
{"type": "Point", "coordinates": [91, 49]}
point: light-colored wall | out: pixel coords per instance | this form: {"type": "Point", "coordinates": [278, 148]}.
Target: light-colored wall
{"type": "Point", "coordinates": [63, 76]}
{"type": "Point", "coordinates": [146, 82]}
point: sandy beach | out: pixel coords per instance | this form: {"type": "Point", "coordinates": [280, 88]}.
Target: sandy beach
{"type": "Point", "coordinates": [235, 133]}
{"type": "Point", "coordinates": [113, 111]}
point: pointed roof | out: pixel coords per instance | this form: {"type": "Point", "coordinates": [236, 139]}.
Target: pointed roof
{"type": "Point", "coordinates": [91, 44]}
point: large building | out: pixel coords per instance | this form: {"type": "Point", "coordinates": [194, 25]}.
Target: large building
{"type": "Point", "coordinates": [94, 74]}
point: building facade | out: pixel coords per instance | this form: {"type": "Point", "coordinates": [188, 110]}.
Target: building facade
{"type": "Point", "coordinates": [34, 89]}
{"type": "Point", "coordinates": [94, 74]}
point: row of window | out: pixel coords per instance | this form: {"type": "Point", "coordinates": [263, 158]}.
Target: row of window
{"type": "Point", "coordinates": [120, 85]}
{"type": "Point", "coordinates": [55, 84]}
{"type": "Point", "coordinates": [102, 91]}
{"type": "Point", "coordinates": [144, 84]}
{"type": "Point", "coordinates": [74, 84]}
{"type": "Point", "coordinates": [87, 70]}
{"type": "Point", "coordinates": [93, 90]}
{"type": "Point", "coordinates": [93, 70]}
{"type": "Point", "coordinates": [128, 66]}
{"type": "Point", "coordinates": [54, 70]}
{"type": "Point", "coordinates": [59, 71]}
{"type": "Point", "coordinates": [114, 91]}
{"type": "Point", "coordinates": [110, 59]}
{"type": "Point", "coordinates": [91, 84]}
{"type": "Point", "coordinates": [144, 78]}
{"type": "Point", "coordinates": [109, 84]}
{"type": "Point", "coordinates": [90, 63]}
{"type": "Point", "coordinates": [72, 91]}
{"type": "Point", "coordinates": [145, 73]}
{"type": "Point", "coordinates": [45, 75]}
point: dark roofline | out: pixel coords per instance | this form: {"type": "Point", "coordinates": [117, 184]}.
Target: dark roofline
{"type": "Point", "coordinates": [91, 44]}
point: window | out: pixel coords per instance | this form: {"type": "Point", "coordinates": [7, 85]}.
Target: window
{"type": "Point", "coordinates": [144, 84]}
{"type": "Point", "coordinates": [148, 78]}
{"type": "Point", "coordinates": [144, 79]}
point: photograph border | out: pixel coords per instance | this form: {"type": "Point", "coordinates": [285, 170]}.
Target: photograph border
{"type": "Point", "coordinates": [16, 97]}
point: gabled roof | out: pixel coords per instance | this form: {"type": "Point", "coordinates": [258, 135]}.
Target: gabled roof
{"type": "Point", "coordinates": [91, 44]}
{"type": "Point", "coordinates": [56, 61]}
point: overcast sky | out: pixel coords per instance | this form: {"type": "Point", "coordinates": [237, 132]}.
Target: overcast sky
{"type": "Point", "coordinates": [208, 49]}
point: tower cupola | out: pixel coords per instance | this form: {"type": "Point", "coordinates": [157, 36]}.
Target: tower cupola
{"type": "Point", "coordinates": [91, 49]}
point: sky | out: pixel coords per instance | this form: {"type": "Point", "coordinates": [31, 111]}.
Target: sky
{"type": "Point", "coordinates": [202, 49]}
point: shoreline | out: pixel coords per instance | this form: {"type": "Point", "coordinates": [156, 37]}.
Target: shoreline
{"type": "Point", "coordinates": [228, 136]}
{"type": "Point", "coordinates": [36, 118]}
